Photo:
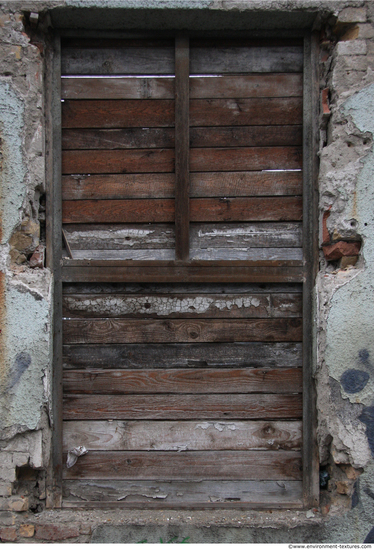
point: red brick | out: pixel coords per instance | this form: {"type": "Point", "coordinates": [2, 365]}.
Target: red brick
{"type": "Point", "coordinates": [340, 249]}
{"type": "Point", "coordinates": [37, 259]}
{"type": "Point", "coordinates": [325, 103]}
{"type": "Point", "coordinates": [8, 534]}
{"type": "Point", "coordinates": [55, 532]}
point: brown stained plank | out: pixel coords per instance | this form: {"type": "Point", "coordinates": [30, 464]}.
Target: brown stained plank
{"type": "Point", "coordinates": [126, 113]}
{"type": "Point", "coordinates": [243, 209]}
{"type": "Point", "coordinates": [244, 158]}
{"type": "Point", "coordinates": [134, 356]}
{"type": "Point", "coordinates": [182, 306]}
{"type": "Point", "coordinates": [202, 210]}
{"type": "Point", "coordinates": [118, 88]}
{"type": "Point", "coordinates": [183, 407]}
{"type": "Point", "coordinates": [183, 381]}
{"type": "Point", "coordinates": [121, 331]}
{"type": "Point", "coordinates": [244, 86]}
{"type": "Point", "coordinates": [182, 494]}
{"type": "Point", "coordinates": [202, 184]}
{"type": "Point", "coordinates": [245, 136]}
{"type": "Point", "coordinates": [112, 273]}
{"type": "Point", "coordinates": [118, 186]}
{"type": "Point", "coordinates": [120, 236]}
{"type": "Point", "coordinates": [183, 435]}
{"type": "Point", "coordinates": [118, 57]}
{"type": "Point", "coordinates": [143, 138]}
{"type": "Point", "coordinates": [132, 211]}
{"type": "Point", "coordinates": [124, 138]}
{"type": "Point", "coordinates": [182, 150]}
{"type": "Point", "coordinates": [241, 58]}
{"type": "Point", "coordinates": [222, 465]}
{"type": "Point", "coordinates": [245, 112]}
{"type": "Point", "coordinates": [131, 160]}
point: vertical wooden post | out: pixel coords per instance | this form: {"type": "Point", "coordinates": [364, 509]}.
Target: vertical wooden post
{"type": "Point", "coordinates": [54, 246]}
{"type": "Point", "coordinates": [310, 246]}
{"type": "Point", "coordinates": [182, 145]}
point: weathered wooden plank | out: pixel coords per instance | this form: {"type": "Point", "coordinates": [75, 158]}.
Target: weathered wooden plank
{"type": "Point", "coordinates": [243, 112]}
{"type": "Point", "coordinates": [245, 136]}
{"type": "Point", "coordinates": [112, 211]}
{"type": "Point", "coordinates": [117, 113]}
{"type": "Point", "coordinates": [242, 158]}
{"type": "Point", "coordinates": [120, 237]}
{"type": "Point", "coordinates": [120, 58]}
{"type": "Point", "coordinates": [244, 86]}
{"type": "Point", "coordinates": [199, 381]}
{"type": "Point", "coordinates": [182, 306]}
{"type": "Point", "coordinates": [246, 209]}
{"type": "Point", "coordinates": [132, 254]}
{"type": "Point", "coordinates": [133, 356]}
{"type": "Point", "coordinates": [103, 272]}
{"type": "Point", "coordinates": [161, 185]}
{"type": "Point", "coordinates": [129, 237]}
{"type": "Point", "coordinates": [220, 465]}
{"type": "Point", "coordinates": [201, 210]}
{"type": "Point", "coordinates": [182, 148]}
{"type": "Point", "coordinates": [118, 186]}
{"type": "Point", "coordinates": [144, 138]}
{"type": "Point", "coordinates": [165, 494]}
{"type": "Point", "coordinates": [256, 254]}
{"type": "Point", "coordinates": [124, 138]}
{"type": "Point", "coordinates": [255, 235]}
{"type": "Point", "coordinates": [211, 60]}
{"type": "Point", "coordinates": [182, 436]}
{"type": "Point", "coordinates": [121, 161]}
{"type": "Point", "coordinates": [123, 331]}
{"type": "Point", "coordinates": [130, 88]}
{"type": "Point", "coordinates": [180, 288]}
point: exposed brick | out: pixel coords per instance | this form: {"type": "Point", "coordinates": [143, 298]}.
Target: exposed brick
{"type": "Point", "coordinates": [8, 534]}
{"type": "Point", "coordinates": [14, 504]}
{"type": "Point", "coordinates": [325, 231]}
{"type": "Point", "coordinates": [55, 532]}
{"type": "Point", "coordinates": [325, 103]}
{"type": "Point", "coordinates": [37, 259]}
{"type": "Point", "coordinates": [348, 261]}
{"type": "Point", "coordinates": [353, 47]}
{"type": "Point", "coordinates": [26, 530]}
{"type": "Point", "coordinates": [338, 250]}
{"type": "Point", "coordinates": [352, 15]}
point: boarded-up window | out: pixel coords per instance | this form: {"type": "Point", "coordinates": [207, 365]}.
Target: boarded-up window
{"type": "Point", "coordinates": [182, 222]}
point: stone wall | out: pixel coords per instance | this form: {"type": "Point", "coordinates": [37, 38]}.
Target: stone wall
{"type": "Point", "coordinates": [344, 293]}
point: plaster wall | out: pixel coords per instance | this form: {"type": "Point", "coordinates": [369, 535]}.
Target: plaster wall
{"type": "Point", "coordinates": [344, 369]}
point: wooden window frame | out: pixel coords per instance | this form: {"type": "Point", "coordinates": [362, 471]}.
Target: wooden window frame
{"type": "Point", "coordinates": [183, 269]}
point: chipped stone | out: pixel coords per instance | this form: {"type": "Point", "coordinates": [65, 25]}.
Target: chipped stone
{"type": "Point", "coordinates": [354, 47]}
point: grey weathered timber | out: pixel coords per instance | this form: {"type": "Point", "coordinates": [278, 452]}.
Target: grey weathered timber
{"type": "Point", "coordinates": [134, 356]}
{"type": "Point", "coordinates": [132, 254]}
{"type": "Point", "coordinates": [198, 381]}
{"type": "Point", "coordinates": [137, 236]}
{"type": "Point", "coordinates": [120, 236]}
{"type": "Point", "coordinates": [182, 407]}
{"type": "Point", "coordinates": [123, 59]}
{"type": "Point", "coordinates": [125, 331]}
{"type": "Point", "coordinates": [264, 85]}
{"type": "Point", "coordinates": [118, 88]}
{"type": "Point", "coordinates": [180, 436]}
{"type": "Point", "coordinates": [213, 59]}
{"type": "Point", "coordinates": [53, 257]}
{"type": "Point", "coordinates": [310, 244]}
{"type": "Point", "coordinates": [206, 494]}
{"type": "Point", "coordinates": [182, 305]}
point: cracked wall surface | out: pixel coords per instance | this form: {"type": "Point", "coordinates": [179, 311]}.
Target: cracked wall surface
{"type": "Point", "coordinates": [344, 369]}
